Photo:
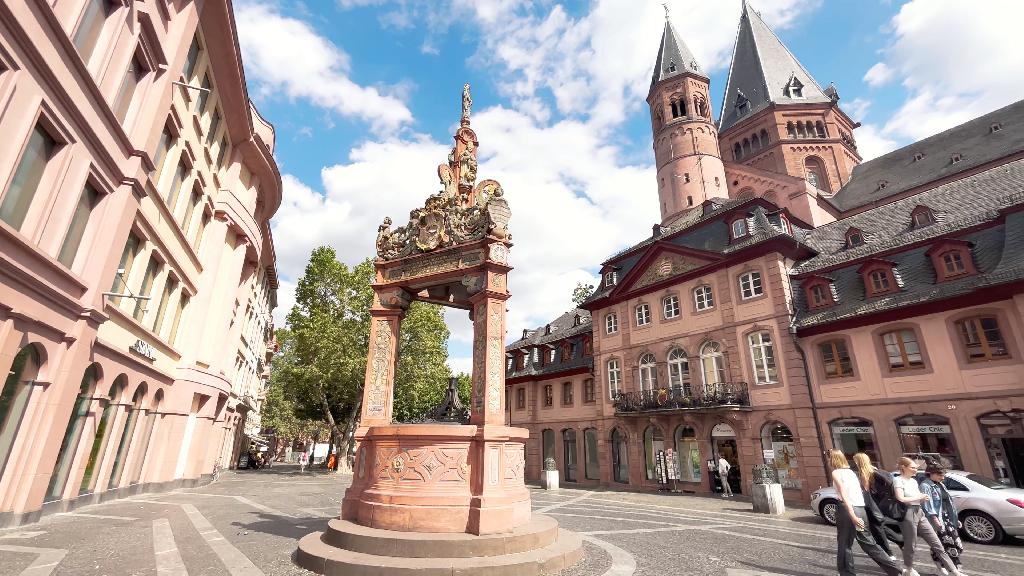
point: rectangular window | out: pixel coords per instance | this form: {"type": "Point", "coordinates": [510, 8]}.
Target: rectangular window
{"type": "Point", "coordinates": [982, 338]}
{"type": "Point", "coordinates": [179, 178]}
{"type": "Point", "coordinates": [87, 35]}
{"type": "Point", "coordinates": [763, 355]}
{"type": "Point", "coordinates": [132, 77]}
{"type": "Point", "coordinates": [750, 285]}
{"type": "Point", "coordinates": [169, 287]}
{"type": "Point", "coordinates": [611, 324]}
{"type": "Point", "coordinates": [671, 305]}
{"type": "Point", "coordinates": [549, 395]}
{"type": "Point", "coordinates": [836, 359]}
{"type": "Point", "coordinates": [79, 222]}
{"type": "Point", "coordinates": [198, 240]}
{"type": "Point", "coordinates": [643, 315]}
{"type": "Point", "coordinates": [214, 126]}
{"type": "Point", "coordinates": [182, 304]}
{"type": "Point", "coordinates": [614, 377]}
{"type": "Point", "coordinates": [222, 151]}
{"type": "Point", "coordinates": [204, 95]}
{"type": "Point", "coordinates": [702, 298]}
{"type": "Point", "coordinates": [588, 390]}
{"type": "Point", "coordinates": [38, 152]}
{"type": "Point", "coordinates": [190, 208]}
{"type": "Point", "coordinates": [152, 270]}
{"type": "Point", "coordinates": [120, 284]}
{"type": "Point", "coordinates": [162, 149]}
{"type": "Point", "coordinates": [520, 398]}
{"type": "Point", "coordinates": [566, 393]}
{"type": "Point", "coordinates": [902, 349]}
{"type": "Point", "coordinates": [191, 59]}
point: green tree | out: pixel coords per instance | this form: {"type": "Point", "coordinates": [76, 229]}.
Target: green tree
{"type": "Point", "coordinates": [581, 292]}
{"type": "Point", "coordinates": [423, 371]}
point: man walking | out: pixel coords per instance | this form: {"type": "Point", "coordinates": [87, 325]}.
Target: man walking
{"type": "Point", "coordinates": [723, 475]}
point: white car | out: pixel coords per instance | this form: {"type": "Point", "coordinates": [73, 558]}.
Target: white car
{"type": "Point", "coordinates": [988, 510]}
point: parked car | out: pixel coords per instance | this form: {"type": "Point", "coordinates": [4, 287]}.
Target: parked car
{"type": "Point", "coordinates": [988, 510]}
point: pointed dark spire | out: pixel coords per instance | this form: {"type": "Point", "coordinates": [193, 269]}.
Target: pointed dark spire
{"type": "Point", "coordinates": [674, 57]}
{"type": "Point", "coordinates": [763, 70]}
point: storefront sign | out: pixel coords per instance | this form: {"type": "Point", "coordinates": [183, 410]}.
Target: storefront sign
{"type": "Point", "coordinates": [925, 429]}
{"type": "Point", "coordinates": [769, 454]}
{"type": "Point", "coordinates": [853, 429]}
{"type": "Point", "coordinates": [144, 349]}
{"type": "Point", "coordinates": [722, 430]}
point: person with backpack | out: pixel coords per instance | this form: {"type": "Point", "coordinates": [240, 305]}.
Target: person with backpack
{"type": "Point", "coordinates": [851, 520]}
{"type": "Point", "coordinates": [914, 523]}
{"type": "Point", "coordinates": [942, 515]}
{"type": "Point", "coordinates": [877, 487]}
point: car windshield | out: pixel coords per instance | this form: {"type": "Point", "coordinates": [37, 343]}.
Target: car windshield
{"type": "Point", "coordinates": [985, 481]}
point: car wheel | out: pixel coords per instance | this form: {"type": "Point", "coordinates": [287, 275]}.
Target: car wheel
{"type": "Point", "coordinates": [828, 511]}
{"type": "Point", "coordinates": [981, 528]}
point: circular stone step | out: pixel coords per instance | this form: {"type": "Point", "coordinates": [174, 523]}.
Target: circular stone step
{"type": "Point", "coordinates": [539, 532]}
{"type": "Point", "coordinates": [316, 555]}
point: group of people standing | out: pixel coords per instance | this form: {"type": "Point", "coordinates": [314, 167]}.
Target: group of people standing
{"type": "Point", "coordinates": [868, 496]}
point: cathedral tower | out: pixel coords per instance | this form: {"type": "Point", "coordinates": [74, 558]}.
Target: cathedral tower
{"type": "Point", "coordinates": [775, 117]}
{"type": "Point", "coordinates": [686, 149]}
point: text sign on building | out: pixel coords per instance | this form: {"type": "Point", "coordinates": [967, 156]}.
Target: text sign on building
{"type": "Point", "coordinates": [925, 429]}
{"type": "Point", "coordinates": [853, 429]}
{"type": "Point", "coordinates": [768, 454]}
{"type": "Point", "coordinates": [143, 348]}
{"type": "Point", "coordinates": [722, 430]}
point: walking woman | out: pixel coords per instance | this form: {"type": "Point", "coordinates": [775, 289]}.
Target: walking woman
{"type": "Point", "coordinates": [851, 520]}
{"type": "Point", "coordinates": [914, 523]}
{"type": "Point", "coordinates": [941, 512]}
{"type": "Point", "coordinates": [876, 485]}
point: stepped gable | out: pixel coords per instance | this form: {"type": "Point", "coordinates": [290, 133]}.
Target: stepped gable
{"type": "Point", "coordinates": [976, 142]}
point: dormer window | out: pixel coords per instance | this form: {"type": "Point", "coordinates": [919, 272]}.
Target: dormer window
{"type": "Point", "coordinates": [953, 159]}
{"type": "Point", "coordinates": [952, 259]}
{"type": "Point", "coordinates": [922, 216]}
{"type": "Point", "coordinates": [610, 278]}
{"type": "Point", "coordinates": [919, 156]}
{"type": "Point", "coordinates": [879, 277]}
{"type": "Point", "coordinates": [576, 320]}
{"type": "Point", "coordinates": [671, 66]}
{"type": "Point", "coordinates": [854, 238]}
{"type": "Point", "coordinates": [883, 184]}
{"type": "Point", "coordinates": [794, 88]}
{"type": "Point", "coordinates": [739, 228]}
{"type": "Point", "coordinates": [742, 104]}
{"type": "Point", "coordinates": [995, 127]}
{"type": "Point", "coordinates": [818, 292]}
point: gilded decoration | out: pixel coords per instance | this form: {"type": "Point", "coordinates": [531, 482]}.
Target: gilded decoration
{"type": "Point", "coordinates": [381, 368]}
{"type": "Point", "coordinates": [666, 266]}
{"type": "Point", "coordinates": [462, 211]}
{"type": "Point", "coordinates": [430, 464]}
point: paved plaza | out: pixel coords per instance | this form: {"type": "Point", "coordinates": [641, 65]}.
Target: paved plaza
{"type": "Point", "coordinates": [247, 524]}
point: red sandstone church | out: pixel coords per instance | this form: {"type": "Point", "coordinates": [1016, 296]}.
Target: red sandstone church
{"type": "Point", "coordinates": [792, 299]}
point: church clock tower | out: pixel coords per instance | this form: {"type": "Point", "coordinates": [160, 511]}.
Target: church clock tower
{"type": "Point", "coordinates": [686, 149]}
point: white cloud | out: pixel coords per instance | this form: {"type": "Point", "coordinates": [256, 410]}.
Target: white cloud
{"type": "Point", "coordinates": [956, 61]}
{"type": "Point", "coordinates": [872, 142]}
{"type": "Point", "coordinates": [286, 55]}
{"type": "Point", "coordinates": [857, 109]}
{"type": "Point", "coordinates": [460, 364]}
{"type": "Point", "coordinates": [878, 75]}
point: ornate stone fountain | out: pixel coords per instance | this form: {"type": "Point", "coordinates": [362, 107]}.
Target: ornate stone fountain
{"type": "Point", "coordinates": [442, 498]}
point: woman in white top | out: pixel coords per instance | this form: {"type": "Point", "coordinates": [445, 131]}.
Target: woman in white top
{"type": "Point", "coordinates": [915, 523]}
{"type": "Point", "coordinates": [851, 520]}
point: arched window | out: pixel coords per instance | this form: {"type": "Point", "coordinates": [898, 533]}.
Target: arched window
{"type": "Point", "coordinates": [700, 106]}
{"type": "Point", "coordinates": [569, 454]}
{"type": "Point", "coordinates": [764, 137]}
{"type": "Point", "coordinates": [801, 130]}
{"type": "Point", "coordinates": [755, 142]}
{"type": "Point", "coordinates": [737, 151]}
{"type": "Point", "coordinates": [99, 440]}
{"type": "Point", "coordinates": [819, 128]}
{"type": "Point", "coordinates": [620, 457]}
{"type": "Point", "coordinates": [777, 441]}
{"type": "Point", "coordinates": [688, 454]}
{"type": "Point", "coordinates": [679, 370]}
{"type": "Point", "coordinates": [854, 238]}
{"type": "Point", "coordinates": [127, 434]}
{"type": "Point", "coordinates": [790, 130]}
{"type": "Point", "coordinates": [648, 372]}
{"type": "Point", "coordinates": [72, 434]}
{"type": "Point", "coordinates": [591, 463]}
{"type": "Point", "coordinates": [815, 173]}
{"type": "Point", "coordinates": [928, 437]}
{"type": "Point", "coordinates": [712, 363]}
{"type": "Point", "coordinates": [145, 436]}
{"type": "Point", "coordinates": [548, 447]}
{"type": "Point", "coordinates": [654, 442]}
{"type": "Point", "coordinates": [746, 146]}
{"type": "Point", "coordinates": [14, 398]}
{"type": "Point", "coordinates": [614, 377]}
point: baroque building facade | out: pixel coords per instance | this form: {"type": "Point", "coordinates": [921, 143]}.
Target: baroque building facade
{"type": "Point", "coordinates": [793, 298]}
{"type": "Point", "coordinates": [137, 267]}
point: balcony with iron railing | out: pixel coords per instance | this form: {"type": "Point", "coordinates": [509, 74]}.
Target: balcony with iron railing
{"type": "Point", "coordinates": [724, 395]}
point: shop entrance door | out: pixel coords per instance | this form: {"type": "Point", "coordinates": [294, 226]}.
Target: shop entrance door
{"type": "Point", "coordinates": [1014, 448]}
{"type": "Point", "coordinates": [723, 440]}
{"type": "Point", "coordinates": [1004, 441]}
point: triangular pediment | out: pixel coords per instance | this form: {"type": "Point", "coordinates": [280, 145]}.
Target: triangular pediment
{"type": "Point", "coordinates": [662, 262]}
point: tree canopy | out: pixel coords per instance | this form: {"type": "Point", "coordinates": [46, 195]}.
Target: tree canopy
{"type": "Point", "coordinates": [581, 292]}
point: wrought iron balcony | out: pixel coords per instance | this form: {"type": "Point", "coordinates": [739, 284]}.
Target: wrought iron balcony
{"type": "Point", "coordinates": [716, 395]}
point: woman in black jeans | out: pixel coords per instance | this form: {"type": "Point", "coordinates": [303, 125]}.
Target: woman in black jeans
{"type": "Point", "coordinates": [851, 520]}
{"type": "Point", "coordinates": [877, 486]}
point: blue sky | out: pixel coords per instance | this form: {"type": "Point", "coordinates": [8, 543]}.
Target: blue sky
{"type": "Point", "coordinates": [365, 94]}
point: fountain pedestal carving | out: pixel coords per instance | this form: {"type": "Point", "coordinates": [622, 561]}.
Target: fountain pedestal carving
{"type": "Point", "coordinates": [442, 498]}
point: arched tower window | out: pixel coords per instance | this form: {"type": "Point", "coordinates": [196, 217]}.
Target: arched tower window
{"type": "Point", "coordinates": [737, 151]}
{"type": "Point", "coordinates": [801, 130]}
{"type": "Point", "coordinates": [764, 137]}
{"type": "Point", "coordinates": [815, 174]}
{"type": "Point", "coordinates": [819, 127]}
{"type": "Point", "coordinates": [790, 130]}
{"type": "Point", "coordinates": [678, 107]}
{"type": "Point", "coordinates": [700, 106]}
{"type": "Point", "coordinates": [755, 142]}
{"type": "Point", "coordinates": [746, 146]}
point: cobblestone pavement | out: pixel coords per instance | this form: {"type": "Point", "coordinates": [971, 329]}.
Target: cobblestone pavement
{"type": "Point", "coordinates": [247, 524]}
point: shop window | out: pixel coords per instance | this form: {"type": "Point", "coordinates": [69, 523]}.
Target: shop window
{"type": "Point", "coordinates": [852, 435]}
{"type": "Point", "coordinates": [679, 370]}
{"type": "Point", "coordinates": [567, 394]}
{"type": "Point", "coordinates": [588, 391]}
{"type": "Point", "coordinates": [643, 315]}
{"type": "Point", "coordinates": [520, 398]}
{"type": "Point", "coordinates": [611, 324]}
{"type": "Point", "coordinates": [549, 395]}
{"type": "Point", "coordinates": [712, 363]}
{"type": "Point", "coordinates": [670, 305]}
{"type": "Point", "coordinates": [703, 299]}
{"type": "Point", "coordinates": [750, 285]}
{"type": "Point", "coordinates": [39, 150]}
{"type": "Point", "coordinates": [614, 377]}
{"type": "Point", "coordinates": [902, 349]}
{"type": "Point", "coordinates": [101, 437]}
{"type": "Point", "coordinates": [654, 442]}
{"type": "Point", "coordinates": [648, 372]}
{"type": "Point", "coordinates": [762, 354]}
{"type": "Point", "coordinates": [72, 434]}
{"type": "Point", "coordinates": [687, 454]}
{"type": "Point", "coordinates": [929, 437]}
{"type": "Point", "coordinates": [777, 441]}
{"type": "Point", "coordinates": [146, 436]}
{"type": "Point", "coordinates": [87, 201]}
{"type": "Point", "coordinates": [982, 339]}
{"type": "Point", "coordinates": [835, 359]}
{"type": "Point", "coordinates": [620, 457]}
{"type": "Point", "coordinates": [569, 454]}
{"type": "Point", "coordinates": [14, 397]}
{"type": "Point", "coordinates": [127, 435]}
{"type": "Point", "coordinates": [1003, 435]}
{"type": "Point", "coordinates": [591, 462]}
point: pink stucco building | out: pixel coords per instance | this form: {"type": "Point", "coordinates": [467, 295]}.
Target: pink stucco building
{"type": "Point", "coordinates": [793, 298]}
{"type": "Point", "coordinates": [132, 164]}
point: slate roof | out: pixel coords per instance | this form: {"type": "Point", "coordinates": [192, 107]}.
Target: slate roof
{"type": "Point", "coordinates": [561, 328]}
{"type": "Point", "coordinates": [974, 140]}
{"type": "Point", "coordinates": [997, 249]}
{"type": "Point", "coordinates": [761, 68]}
{"type": "Point", "coordinates": [674, 57]}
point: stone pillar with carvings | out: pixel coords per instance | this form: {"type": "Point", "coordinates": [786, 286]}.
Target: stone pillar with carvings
{"type": "Point", "coordinates": [381, 363]}
{"type": "Point", "coordinates": [488, 402]}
